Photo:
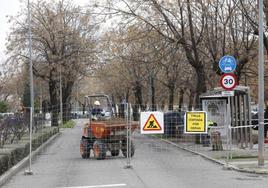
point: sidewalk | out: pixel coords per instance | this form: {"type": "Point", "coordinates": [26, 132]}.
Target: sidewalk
{"type": "Point", "coordinates": [18, 155]}
{"type": "Point", "coordinates": [244, 160]}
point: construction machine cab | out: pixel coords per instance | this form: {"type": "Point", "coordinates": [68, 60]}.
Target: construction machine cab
{"type": "Point", "coordinates": [99, 107]}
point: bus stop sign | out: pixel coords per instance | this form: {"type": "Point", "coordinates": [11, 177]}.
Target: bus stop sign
{"type": "Point", "coordinates": [227, 64]}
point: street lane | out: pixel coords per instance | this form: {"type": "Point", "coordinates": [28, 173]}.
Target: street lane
{"type": "Point", "coordinates": [155, 165]}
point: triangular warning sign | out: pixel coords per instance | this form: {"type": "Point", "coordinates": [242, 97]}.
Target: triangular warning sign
{"type": "Point", "coordinates": [152, 124]}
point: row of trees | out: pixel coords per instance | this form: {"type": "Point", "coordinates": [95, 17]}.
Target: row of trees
{"type": "Point", "coordinates": [175, 46]}
{"type": "Point", "coordinates": [156, 52]}
{"type": "Point", "coordinates": [63, 44]}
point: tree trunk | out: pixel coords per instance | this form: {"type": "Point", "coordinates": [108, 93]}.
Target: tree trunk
{"type": "Point", "coordinates": [181, 98]}
{"type": "Point", "coordinates": [66, 98]}
{"type": "Point", "coordinates": [240, 67]}
{"type": "Point", "coordinates": [138, 101]}
{"type": "Point", "coordinates": [201, 83]}
{"type": "Point", "coordinates": [66, 112]}
{"type": "Point", "coordinates": [54, 105]}
{"type": "Point", "coordinates": [127, 96]}
{"type": "Point", "coordinates": [171, 90]}
{"type": "Point", "coordinates": [152, 84]}
{"type": "Point", "coordinates": [191, 100]}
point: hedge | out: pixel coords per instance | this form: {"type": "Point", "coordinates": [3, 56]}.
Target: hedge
{"type": "Point", "coordinates": [11, 154]}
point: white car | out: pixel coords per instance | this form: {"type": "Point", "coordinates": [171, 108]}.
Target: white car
{"type": "Point", "coordinates": [227, 68]}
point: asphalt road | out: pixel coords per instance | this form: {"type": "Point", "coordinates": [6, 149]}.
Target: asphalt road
{"type": "Point", "coordinates": [155, 165]}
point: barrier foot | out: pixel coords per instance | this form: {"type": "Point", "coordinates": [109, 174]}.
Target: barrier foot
{"type": "Point", "coordinates": [128, 167]}
{"type": "Point", "coordinates": [28, 172]}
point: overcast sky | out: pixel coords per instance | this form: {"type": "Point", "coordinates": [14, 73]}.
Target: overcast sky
{"type": "Point", "coordinates": [11, 7]}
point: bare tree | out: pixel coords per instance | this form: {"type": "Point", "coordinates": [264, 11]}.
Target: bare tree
{"type": "Point", "coordinates": [205, 30]}
{"type": "Point", "coordinates": [227, 31]}
{"type": "Point", "coordinates": [63, 43]}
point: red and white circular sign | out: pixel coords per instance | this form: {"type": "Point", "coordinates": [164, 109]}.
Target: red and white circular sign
{"type": "Point", "coordinates": [228, 81]}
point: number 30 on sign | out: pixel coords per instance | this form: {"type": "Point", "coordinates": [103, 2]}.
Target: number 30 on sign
{"type": "Point", "coordinates": [228, 81]}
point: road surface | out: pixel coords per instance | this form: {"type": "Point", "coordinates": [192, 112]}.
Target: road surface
{"type": "Point", "coordinates": [155, 165]}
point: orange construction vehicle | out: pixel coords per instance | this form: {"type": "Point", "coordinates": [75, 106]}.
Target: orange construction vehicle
{"type": "Point", "coordinates": [104, 132]}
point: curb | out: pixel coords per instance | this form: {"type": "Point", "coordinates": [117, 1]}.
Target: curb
{"type": "Point", "coordinates": [194, 152]}
{"type": "Point", "coordinates": [13, 170]}
{"type": "Point", "coordinates": [225, 166]}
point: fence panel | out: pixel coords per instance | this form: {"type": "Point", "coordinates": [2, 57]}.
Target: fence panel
{"type": "Point", "coordinates": [117, 134]}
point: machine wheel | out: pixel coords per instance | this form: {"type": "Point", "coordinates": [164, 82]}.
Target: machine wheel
{"type": "Point", "coordinates": [99, 150]}
{"type": "Point", "coordinates": [124, 149]}
{"type": "Point", "coordinates": [84, 151]}
{"type": "Point", "coordinates": [115, 152]}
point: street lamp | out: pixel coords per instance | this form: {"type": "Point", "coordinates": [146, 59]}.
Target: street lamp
{"type": "Point", "coordinates": [261, 89]}
{"type": "Point", "coordinates": [29, 171]}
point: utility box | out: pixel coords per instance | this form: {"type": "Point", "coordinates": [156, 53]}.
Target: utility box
{"type": "Point", "coordinates": [229, 108]}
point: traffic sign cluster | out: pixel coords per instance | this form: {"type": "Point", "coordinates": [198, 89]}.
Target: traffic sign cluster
{"type": "Point", "coordinates": [227, 65]}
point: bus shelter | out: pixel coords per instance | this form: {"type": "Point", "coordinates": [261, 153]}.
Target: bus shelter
{"type": "Point", "coordinates": [231, 113]}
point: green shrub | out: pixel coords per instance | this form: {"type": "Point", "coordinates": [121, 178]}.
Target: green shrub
{"type": "Point", "coordinates": [68, 124]}
{"type": "Point", "coordinates": [13, 153]}
{"type": "Point", "coordinates": [4, 163]}
{"type": "Point", "coordinates": [3, 107]}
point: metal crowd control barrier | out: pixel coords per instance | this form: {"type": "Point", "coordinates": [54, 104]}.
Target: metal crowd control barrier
{"type": "Point", "coordinates": [230, 141]}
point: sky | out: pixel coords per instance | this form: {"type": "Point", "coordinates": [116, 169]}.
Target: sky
{"type": "Point", "coordinates": [11, 8]}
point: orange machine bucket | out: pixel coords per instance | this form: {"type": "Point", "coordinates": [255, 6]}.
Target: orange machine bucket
{"type": "Point", "coordinates": [104, 128]}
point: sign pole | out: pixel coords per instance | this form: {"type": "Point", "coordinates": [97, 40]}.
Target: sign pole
{"type": "Point", "coordinates": [229, 132]}
{"type": "Point", "coordinates": [228, 82]}
{"type": "Point", "coordinates": [261, 89]}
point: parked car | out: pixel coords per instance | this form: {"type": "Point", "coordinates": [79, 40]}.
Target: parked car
{"type": "Point", "coordinates": [255, 121]}
{"type": "Point", "coordinates": [174, 123]}
{"type": "Point", "coordinates": [79, 114]}
{"type": "Point", "coordinates": [6, 114]}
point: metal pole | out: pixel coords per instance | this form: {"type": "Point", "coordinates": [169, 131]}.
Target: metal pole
{"type": "Point", "coordinates": [60, 97]}
{"type": "Point", "coordinates": [31, 129]}
{"type": "Point", "coordinates": [127, 135]}
{"type": "Point", "coordinates": [29, 172]}
{"type": "Point", "coordinates": [261, 89]}
{"type": "Point", "coordinates": [129, 132]}
{"type": "Point", "coordinates": [41, 99]}
{"type": "Point", "coordinates": [128, 165]}
{"type": "Point", "coordinates": [249, 118]}
{"type": "Point", "coordinates": [228, 132]}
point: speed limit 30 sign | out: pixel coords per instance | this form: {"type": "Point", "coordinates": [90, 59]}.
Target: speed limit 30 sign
{"type": "Point", "coordinates": [228, 81]}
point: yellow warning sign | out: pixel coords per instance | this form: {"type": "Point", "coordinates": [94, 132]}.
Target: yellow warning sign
{"type": "Point", "coordinates": [196, 122]}
{"type": "Point", "coordinates": [152, 124]}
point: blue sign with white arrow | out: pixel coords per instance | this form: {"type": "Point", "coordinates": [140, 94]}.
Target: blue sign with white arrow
{"type": "Point", "coordinates": [227, 64]}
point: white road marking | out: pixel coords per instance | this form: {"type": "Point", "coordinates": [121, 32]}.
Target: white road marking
{"type": "Point", "coordinates": [100, 186]}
